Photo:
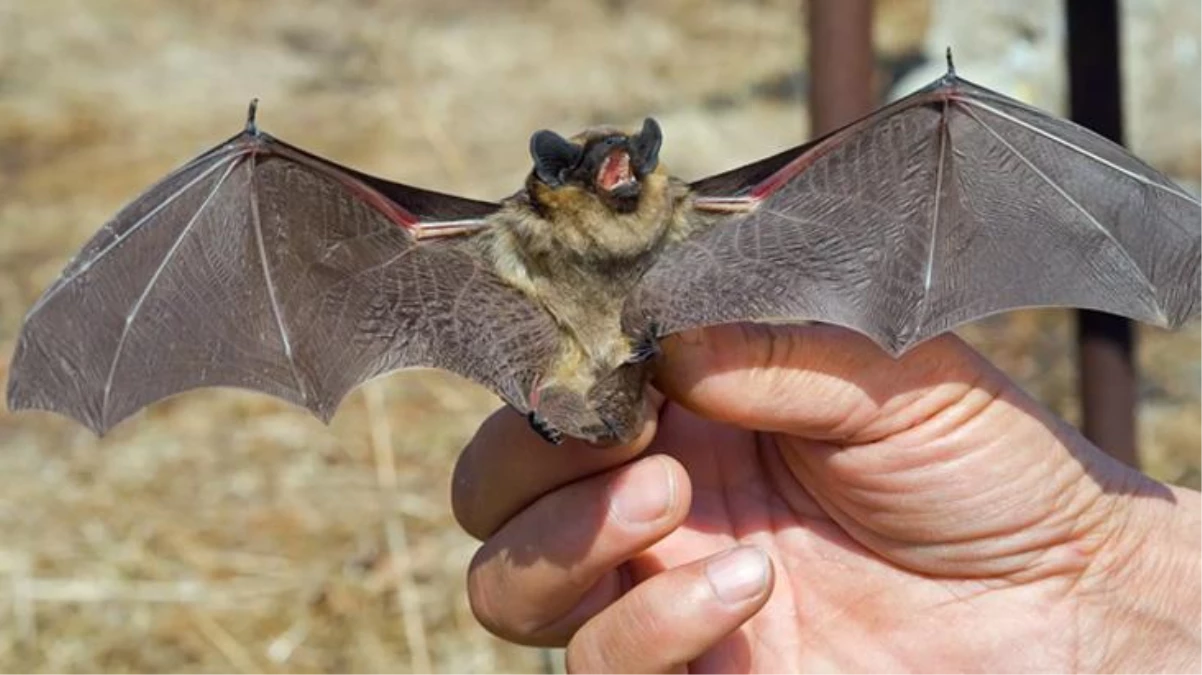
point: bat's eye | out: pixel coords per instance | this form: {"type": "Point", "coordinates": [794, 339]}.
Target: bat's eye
{"type": "Point", "coordinates": [554, 156]}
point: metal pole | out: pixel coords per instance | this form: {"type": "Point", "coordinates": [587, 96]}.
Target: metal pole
{"type": "Point", "coordinates": [841, 62]}
{"type": "Point", "coordinates": [1105, 341]}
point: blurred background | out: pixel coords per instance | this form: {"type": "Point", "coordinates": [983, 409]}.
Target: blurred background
{"type": "Point", "coordinates": [226, 531]}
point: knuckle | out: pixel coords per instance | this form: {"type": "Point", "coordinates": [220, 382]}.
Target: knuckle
{"type": "Point", "coordinates": [497, 602]}
{"type": "Point", "coordinates": [482, 593]}
{"type": "Point", "coordinates": [629, 635]}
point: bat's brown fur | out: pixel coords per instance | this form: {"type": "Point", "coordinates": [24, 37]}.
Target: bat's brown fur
{"type": "Point", "coordinates": [579, 258]}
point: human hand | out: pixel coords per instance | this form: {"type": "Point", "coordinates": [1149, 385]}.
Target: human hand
{"type": "Point", "coordinates": [919, 514]}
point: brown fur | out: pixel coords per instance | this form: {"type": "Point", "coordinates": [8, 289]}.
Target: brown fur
{"type": "Point", "coordinates": [579, 259]}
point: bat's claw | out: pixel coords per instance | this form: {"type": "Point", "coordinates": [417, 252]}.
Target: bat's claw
{"type": "Point", "coordinates": [646, 347]}
{"type": "Point", "coordinates": [544, 429]}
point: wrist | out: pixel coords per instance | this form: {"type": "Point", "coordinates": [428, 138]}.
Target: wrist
{"type": "Point", "coordinates": [1142, 603]}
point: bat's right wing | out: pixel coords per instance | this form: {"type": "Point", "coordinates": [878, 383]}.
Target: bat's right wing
{"type": "Point", "coordinates": [953, 203]}
{"type": "Point", "coordinates": [261, 266]}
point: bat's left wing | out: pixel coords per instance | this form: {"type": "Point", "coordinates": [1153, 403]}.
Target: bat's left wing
{"type": "Point", "coordinates": [953, 203]}
{"type": "Point", "coordinates": [262, 266]}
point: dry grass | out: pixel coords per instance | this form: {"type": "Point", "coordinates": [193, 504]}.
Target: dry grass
{"type": "Point", "coordinates": [224, 531]}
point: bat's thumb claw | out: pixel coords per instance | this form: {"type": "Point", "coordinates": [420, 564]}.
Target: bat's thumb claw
{"type": "Point", "coordinates": [251, 110]}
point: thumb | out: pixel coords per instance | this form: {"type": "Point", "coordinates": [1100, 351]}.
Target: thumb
{"type": "Point", "coordinates": [819, 381]}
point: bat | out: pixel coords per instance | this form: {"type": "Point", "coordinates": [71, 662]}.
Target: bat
{"type": "Point", "coordinates": [262, 266]}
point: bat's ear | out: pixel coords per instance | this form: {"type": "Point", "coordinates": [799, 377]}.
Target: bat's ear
{"type": "Point", "coordinates": [645, 147]}
{"type": "Point", "coordinates": [553, 156]}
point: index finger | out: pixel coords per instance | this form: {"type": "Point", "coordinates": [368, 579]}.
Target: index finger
{"type": "Point", "coordinates": [506, 467]}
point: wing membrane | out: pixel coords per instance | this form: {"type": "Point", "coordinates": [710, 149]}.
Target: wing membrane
{"type": "Point", "coordinates": [260, 266]}
{"type": "Point", "coordinates": [949, 205]}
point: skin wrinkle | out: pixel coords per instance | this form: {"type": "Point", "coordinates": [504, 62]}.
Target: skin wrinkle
{"type": "Point", "coordinates": [870, 467]}
{"type": "Point", "coordinates": [949, 465]}
{"type": "Point", "coordinates": [1140, 623]}
{"type": "Point", "coordinates": [1081, 514]}
{"type": "Point", "coordinates": [815, 628]}
{"type": "Point", "coordinates": [612, 515]}
{"type": "Point", "coordinates": [1095, 514]}
{"type": "Point", "coordinates": [642, 623]}
{"type": "Point", "coordinates": [594, 601]}
{"type": "Point", "coordinates": [1114, 562]}
{"type": "Point", "coordinates": [1071, 506]}
{"type": "Point", "coordinates": [752, 487]}
{"type": "Point", "coordinates": [888, 546]}
{"type": "Point", "coordinates": [873, 598]}
{"type": "Point", "coordinates": [558, 629]}
{"type": "Point", "coordinates": [995, 545]}
{"type": "Point", "coordinates": [699, 594]}
{"type": "Point", "coordinates": [1102, 521]}
{"type": "Point", "coordinates": [968, 543]}
{"type": "Point", "coordinates": [947, 420]}
{"type": "Point", "coordinates": [978, 381]}
{"type": "Point", "coordinates": [974, 603]}
{"type": "Point", "coordinates": [771, 453]}
{"type": "Point", "coordinates": [1117, 567]}
{"type": "Point", "coordinates": [728, 507]}
{"type": "Point", "coordinates": [989, 506]}
{"type": "Point", "coordinates": [482, 592]}
{"type": "Point", "coordinates": [984, 591]}
{"type": "Point", "coordinates": [837, 515]}
{"type": "Point", "coordinates": [760, 369]}
{"type": "Point", "coordinates": [608, 588]}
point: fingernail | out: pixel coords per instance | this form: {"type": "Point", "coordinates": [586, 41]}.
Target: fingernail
{"type": "Point", "coordinates": [738, 575]}
{"type": "Point", "coordinates": [693, 338]}
{"type": "Point", "coordinates": [645, 493]}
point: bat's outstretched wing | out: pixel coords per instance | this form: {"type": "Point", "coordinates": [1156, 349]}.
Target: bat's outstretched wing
{"type": "Point", "coordinates": [261, 266]}
{"type": "Point", "coordinates": [951, 204]}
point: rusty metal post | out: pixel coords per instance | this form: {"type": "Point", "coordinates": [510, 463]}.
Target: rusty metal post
{"type": "Point", "coordinates": [1105, 342]}
{"type": "Point", "coordinates": [841, 62]}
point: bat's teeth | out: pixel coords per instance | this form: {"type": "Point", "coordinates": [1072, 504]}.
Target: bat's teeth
{"type": "Point", "coordinates": [615, 171]}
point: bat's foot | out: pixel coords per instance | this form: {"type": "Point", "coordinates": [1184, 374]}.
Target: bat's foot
{"type": "Point", "coordinates": [646, 347]}
{"type": "Point", "coordinates": [544, 429]}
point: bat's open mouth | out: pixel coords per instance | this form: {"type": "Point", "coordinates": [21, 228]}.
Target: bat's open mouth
{"type": "Point", "coordinates": [615, 172]}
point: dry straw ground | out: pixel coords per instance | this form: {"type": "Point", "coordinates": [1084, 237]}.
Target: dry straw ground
{"type": "Point", "coordinates": [226, 531]}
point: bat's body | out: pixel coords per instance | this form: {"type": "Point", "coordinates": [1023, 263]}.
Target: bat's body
{"type": "Point", "coordinates": [262, 266]}
{"type": "Point", "coordinates": [579, 261]}
{"type": "Point", "coordinates": [579, 258]}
